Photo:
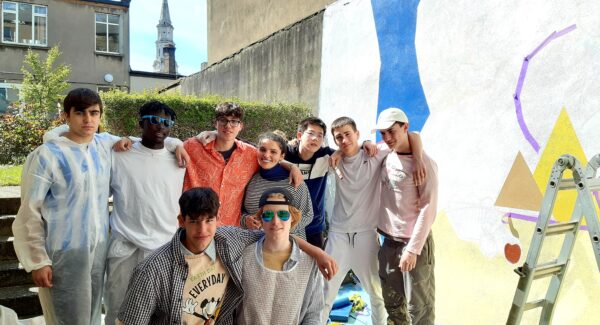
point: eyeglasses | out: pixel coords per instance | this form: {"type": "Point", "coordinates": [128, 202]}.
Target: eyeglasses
{"type": "Point", "coordinates": [268, 215]}
{"type": "Point", "coordinates": [224, 122]}
{"type": "Point", "coordinates": [311, 134]}
{"type": "Point", "coordinates": [155, 120]}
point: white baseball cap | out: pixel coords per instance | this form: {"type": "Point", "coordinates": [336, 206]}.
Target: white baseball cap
{"type": "Point", "coordinates": [388, 117]}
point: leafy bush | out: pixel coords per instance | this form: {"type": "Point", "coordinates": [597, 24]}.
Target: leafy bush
{"type": "Point", "coordinates": [19, 135]}
{"type": "Point", "coordinates": [196, 114]}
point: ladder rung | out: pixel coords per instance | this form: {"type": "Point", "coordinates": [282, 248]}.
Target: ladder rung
{"type": "Point", "coordinates": [545, 270]}
{"type": "Point", "coordinates": [568, 184]}
{"type": "Point", "coordinates": [534, 304]}
{"type": "Point", "coordinates": [561, 228]}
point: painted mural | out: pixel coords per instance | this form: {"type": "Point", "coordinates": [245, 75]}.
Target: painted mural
{"type": "Point", "coordinates": [499, 90]}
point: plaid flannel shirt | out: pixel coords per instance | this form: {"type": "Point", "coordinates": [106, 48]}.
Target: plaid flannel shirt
{"type": "Point", "coordinates": [156, 287]}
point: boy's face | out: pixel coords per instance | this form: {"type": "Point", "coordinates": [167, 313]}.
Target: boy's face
{"type": "Point", "coordinates": [276, 227]}
{"type": "Point", "coordinates": [395, 136]}
{"type": "Point", "coordinates": [198, 232]}
{"type": "Point", "coordinates": [83, 124]}
{"type": "Point", "coordinates": [311, 139]}
{"type": "Point", "coordinates": [155, 133]}
{"type": "Point", "coordinates": [228, 127]}
{"type": "Point", "coordinates": [347, 139]}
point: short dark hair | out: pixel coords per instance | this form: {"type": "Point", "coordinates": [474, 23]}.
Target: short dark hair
{"type": "Point", "coordinates": [229, 109]}
{"type": "Point", "coordinates": [199, 201]}
{"type": "Point", "coordinates": [155, 107]}
{"type": "Point", "coordinates": [273, 137]}
{"type": "Point", "coordinates": [80, 99]}
{"type": "Point", "coordinates": [303, 125]}
{"type": "Point", "coordinates": [342, 121]}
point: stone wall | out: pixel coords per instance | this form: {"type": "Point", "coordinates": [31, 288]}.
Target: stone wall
{"type": "Point", "coordinates": [284, 67]}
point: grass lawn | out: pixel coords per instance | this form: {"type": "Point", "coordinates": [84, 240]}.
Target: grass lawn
{"type": "Point", "coordinates": [10, 175]}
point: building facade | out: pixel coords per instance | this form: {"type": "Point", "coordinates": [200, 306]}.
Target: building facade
{"type": "Point", "coordinates": [93, 36]}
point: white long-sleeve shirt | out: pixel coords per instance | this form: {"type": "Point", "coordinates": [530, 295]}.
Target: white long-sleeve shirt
{"type": "Point", "coordinates": [407, 211]}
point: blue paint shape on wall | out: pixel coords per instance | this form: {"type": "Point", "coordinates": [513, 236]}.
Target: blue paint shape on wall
{"type": "Point", "coordinates": [399, 81]}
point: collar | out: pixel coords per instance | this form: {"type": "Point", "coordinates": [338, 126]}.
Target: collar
{"type": "Point", "coordinates": [241, 145]}
{"type": "Point", "coordinates": [210, 251]}
{"type": "Point", "coordinates": [294, 256]}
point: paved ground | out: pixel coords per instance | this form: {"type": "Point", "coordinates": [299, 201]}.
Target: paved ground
{"type": "Point", "coordinates": [10, 191]}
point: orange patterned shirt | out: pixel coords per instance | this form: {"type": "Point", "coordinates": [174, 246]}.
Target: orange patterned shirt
{"type": "Point", "coordinates": [207, 168]}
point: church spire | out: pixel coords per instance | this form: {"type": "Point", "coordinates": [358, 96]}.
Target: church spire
{"type": "Point", "coordinates": [165, 47]}
{"type": "Point", "coordinates": [165, 17]}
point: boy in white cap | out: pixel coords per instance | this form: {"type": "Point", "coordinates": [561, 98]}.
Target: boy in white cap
{"type": "Point", "coordinates": [407, 211]}
{"type": "Point", "coordinates": [352, 240]}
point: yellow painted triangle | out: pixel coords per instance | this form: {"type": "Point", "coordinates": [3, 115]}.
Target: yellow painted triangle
{"type": "Point", "coordinates": [520, 191]}
{"type": "Point", "coordinates": [563, 140]}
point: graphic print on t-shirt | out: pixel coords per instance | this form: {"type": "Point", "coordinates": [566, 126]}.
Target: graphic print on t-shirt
{"type": "Point", "coordinates": [203, 290]}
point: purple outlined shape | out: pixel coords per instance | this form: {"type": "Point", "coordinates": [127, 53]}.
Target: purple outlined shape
{"type": "Point", "coordinates": [517, 96]}
{"type": "Point", "coordinates": [534, 219]}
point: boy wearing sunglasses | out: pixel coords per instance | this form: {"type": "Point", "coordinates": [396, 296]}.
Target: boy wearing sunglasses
{"type": "Point", "coordinates": [146, 184]}
{"type": "Point", "coordinates": [196, 278]}
{"type": "Point", "coordinates": [281, 283]}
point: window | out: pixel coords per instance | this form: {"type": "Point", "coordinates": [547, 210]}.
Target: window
{"type": "Point", "coordinates": [24, 23]}
{"type": "Point", "coordinates": [9, 94]}
{"type": "Point", "coordinates": [107, 33]}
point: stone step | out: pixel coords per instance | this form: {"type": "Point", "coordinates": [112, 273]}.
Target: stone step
{"type": "Point", "coordinates": [9, 205]}
{"type": "Point", "coordinates": [6, 225]}
{"type": "Point", "coordinates": [7, 250]}
{"type": "Point", "coordinates": [22, 299]}
{"type": "Point", "coordinates": [13, 274]}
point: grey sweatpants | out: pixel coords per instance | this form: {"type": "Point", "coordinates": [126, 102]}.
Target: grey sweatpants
{"type": "Point", "coordinates": [408, 295]}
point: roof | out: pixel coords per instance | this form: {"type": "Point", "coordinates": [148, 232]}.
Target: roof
{"type": "Point", "coordinates": [121, 3]}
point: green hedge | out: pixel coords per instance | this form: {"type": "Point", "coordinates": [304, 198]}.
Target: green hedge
{"type": "Point", "coordinates": [196, 114]}
{"type": "Point", "coordinates": [21, 133]}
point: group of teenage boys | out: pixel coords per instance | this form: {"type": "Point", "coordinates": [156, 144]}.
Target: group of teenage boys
{"type": "Point", "coordinates": [62, 228]}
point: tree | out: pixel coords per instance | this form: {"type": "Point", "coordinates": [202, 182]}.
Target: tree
{"type": "Point", "coordinates": [43, 84]}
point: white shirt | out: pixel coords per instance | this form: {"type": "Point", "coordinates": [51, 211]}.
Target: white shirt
{"type": "Point", "coordinates": [146, 185]}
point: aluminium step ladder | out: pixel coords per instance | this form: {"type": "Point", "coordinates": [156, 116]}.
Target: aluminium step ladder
{"type": "Point", "coordinates": [585, 183]}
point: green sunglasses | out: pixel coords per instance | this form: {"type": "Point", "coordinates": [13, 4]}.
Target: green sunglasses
{"type": "Point", "coordinates": [268, 215]}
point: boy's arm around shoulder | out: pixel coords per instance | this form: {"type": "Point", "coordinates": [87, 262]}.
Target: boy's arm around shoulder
{"type": "Point", "coordinates": [240, 236]}
{"type": "Point", "coordinates": [28, 227]}
{"type": "Point", "coordinates": [416, 147]}
{"type": "Point", "coordinates": [327, 265]}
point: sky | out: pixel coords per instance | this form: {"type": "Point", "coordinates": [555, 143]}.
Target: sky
{"type": "Point", "coordinates": [189, 20]}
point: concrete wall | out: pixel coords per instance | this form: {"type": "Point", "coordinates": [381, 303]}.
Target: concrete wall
{"type": "Point", "coordinates": [140, 83]}
{"type": "Point", "coordinates": [285, 67]}
{"type": "Point", "coordinates": [235, 24]}
{"type": "Point", "coordinates": [72, 25]}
